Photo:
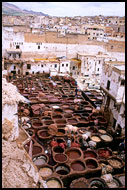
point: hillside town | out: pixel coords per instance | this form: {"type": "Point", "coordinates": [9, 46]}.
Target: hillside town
{"type": "Point", "coordinates": [63, 101]}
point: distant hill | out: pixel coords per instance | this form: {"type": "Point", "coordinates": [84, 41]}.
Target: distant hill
{"type": "Point", "coordinates": [12, 10]}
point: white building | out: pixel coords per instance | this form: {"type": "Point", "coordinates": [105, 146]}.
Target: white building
{"type": "Point", "coordinates": [113, 85]}
{"type": "Point", "coordinates": [91, 64]}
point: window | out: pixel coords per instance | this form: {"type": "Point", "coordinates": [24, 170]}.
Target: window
{"type": "Point", "coordinates": [111, 47]}
{"type": "Point", "coordinates": [28, 66]}
{"type": "Point", "coordinates": [27, 73]}
{"type": "Point", "coordinates": [66, 65]}
{"type": "Point", "coordinates": [62, 65]}
{"type": "Point", "coordinates": [14, 67]}
{"type": "Point", "coordinates": [41, 65]}
{"type": "Point", "coordinates": [19, 72]}
{"type": "Point", "coordinates": [98, 69]}
{"type": "Point", "coordinates": [108, 85]}
{"type": "Point", "coordinates": [55, 65]}
{"type": "Point", "coordinates": [73, 68]}
{"type": "Point", "coordinates": [33, 72]}
{"type": "Point", "coordinates": [17, 46]}
{"type": "Point", "coordinates": [99, 61]}
{"type": "Point", "coordinates": [122, 82]}
{"type": "Point", "coordinates": [38, 47]}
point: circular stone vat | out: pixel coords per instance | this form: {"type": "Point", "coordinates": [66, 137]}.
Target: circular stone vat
{"type": "Point", "coordinates": [88, 108]}
{"type": "Point", "coordinates": [106, 138]}
{"type": "Point", "coordinates": [60, 121]}
{"type": "Point", "coordinates": [58, 111]}
{"type": "Point", "coordinates": [77, 116]}
{"type": "Point", "coordinates": [95, 138]}
{"type": "Point", "coordinates": [37, 124]}
{"type": "Point", "coordinates": [45, 171]}
{"type": "Point", "coordinates": [62, 169]}
{"type": "Point", "coordinates": [60, 158]}
{"type": "Point", "coordinates": [43, 134]}
{"type": "Point", "coordinates": [97, 183]}
{"type": "Point", "coordinates": [90, 153]}
{"type": "Point", "coordinates": [40, 160]}
{"type": "Point", "coordinates": [36, 150]}
{"type": "Point", "coordinates": [72, 121]}
{"type": "Point", "coordinates": [67, 115]}
{"type": "Point", "coordinates": [79, 183]}
{"type": "Point", "coordinates": [61, 132]}
{"type": "Point", "coordinates": [48, 122]}
{"type": "Point", "coordinates": [73, 153]}
{"type": "Point", "coordinates": [65, 106]}
{"type": "Point", "coordinates": [115, 162]}
{"type": "Point", "coordinates": [104, 153]}
{"type": "Point", "coordinates": [58, 149]}
{"type": "Point", "coordinates": [102, 131]}
{"type": "Point", "coordinates": [78, 166]}
{"type": "Point", "coordinates": [91, 163]}
{"type": "Point", "coordinates": [68, 111]}
{"type": "Point", "coordinates": [57, 116]}
{"type": "Point", "coordinates": [54, 182]}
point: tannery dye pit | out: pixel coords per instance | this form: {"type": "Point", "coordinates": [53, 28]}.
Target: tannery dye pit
{"type": "Point", "coordinates": [68, 138]}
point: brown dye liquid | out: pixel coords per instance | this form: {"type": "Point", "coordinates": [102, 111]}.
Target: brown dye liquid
{"type": "Point", "coordinates": [80, 185]}
{"type": "Point", "coordinates": [91, 164]}
{"type": "Point", "coordinates": [60, 133]}
{"type": "Point", "coordinates": [44, 134]}
{"type": "Point", "coordinates": [61, 157]}
{"type": "Point", "coordinates": [78, 166]}
{"type": "Point", "coordinates": [72, 120]}
{"type": "Point", "coordinates": [62, 172]}
{"type": "Point", "coordinates": [37, 124]}
{"type": "Point", "coordinates": [73, 154]}
{"type": "Point", "coordinates": [89, 154]}
{"type": "Point", "coordinates": [57, 117]}
{"type": "Point", "coordinates": [60, 121]}
{"type": "Point", "coordinates": [36, 150]}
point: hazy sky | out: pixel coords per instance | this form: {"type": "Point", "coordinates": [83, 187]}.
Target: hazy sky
{"type": "Point", "coordinates": [75, 8]}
